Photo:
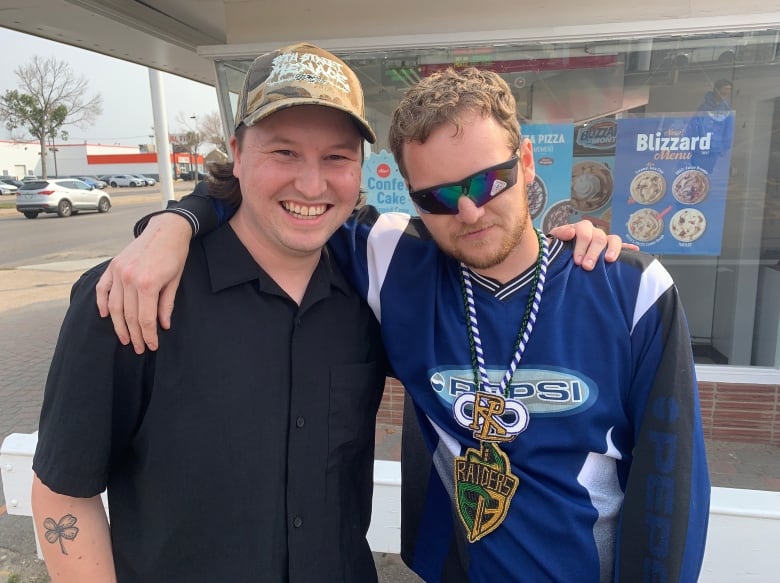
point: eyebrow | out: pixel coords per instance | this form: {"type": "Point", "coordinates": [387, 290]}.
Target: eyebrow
{"type": "Point", "coordinates": [282, 141]}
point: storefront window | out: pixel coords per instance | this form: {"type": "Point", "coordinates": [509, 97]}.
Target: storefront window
{"type": "Point", "coordinates": [670, 142]}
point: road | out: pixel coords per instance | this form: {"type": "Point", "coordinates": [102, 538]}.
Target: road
{"type": "Point", "coordinates": [50, 238]}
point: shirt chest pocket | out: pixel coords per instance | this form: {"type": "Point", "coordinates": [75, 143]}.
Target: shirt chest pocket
{"type": "Point", "coordinates": [355, 393]}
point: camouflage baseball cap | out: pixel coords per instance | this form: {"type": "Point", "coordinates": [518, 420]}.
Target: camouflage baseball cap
{"type": "Point", "coordinates": [300, 74]}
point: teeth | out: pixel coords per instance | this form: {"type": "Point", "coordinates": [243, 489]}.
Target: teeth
{"type": "Point", "coordinates": [305, 211]}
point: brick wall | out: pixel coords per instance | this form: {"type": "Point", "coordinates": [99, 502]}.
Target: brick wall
{"type": "Point", "coordinates": [730, 412]}
{"type": "Point", "coordinates": [391, 410]}
{"type": "Point", "coordinates": [748, 413]}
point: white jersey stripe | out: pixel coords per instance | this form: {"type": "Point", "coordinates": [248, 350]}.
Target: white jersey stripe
{"type": "Point", "coordinates": [655, 281]}
{"type": "Point", "coordinates": [382, 241]}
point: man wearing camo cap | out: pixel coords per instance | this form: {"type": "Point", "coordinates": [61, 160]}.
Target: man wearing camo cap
{"type": "Point", "coordinates": [242, 449]}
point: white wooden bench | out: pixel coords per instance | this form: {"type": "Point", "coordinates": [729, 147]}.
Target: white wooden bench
{"type": "Point", "coordinates": [743, 540]}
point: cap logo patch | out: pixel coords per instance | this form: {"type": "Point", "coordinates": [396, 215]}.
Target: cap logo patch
{"type": "Point", "coordinates": [315, 69]}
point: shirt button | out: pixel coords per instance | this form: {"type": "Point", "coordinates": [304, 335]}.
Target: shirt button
{"type": "Point", "coordinates": [300, 422]}
{"type": "Point", "coordinates": [297, 522]}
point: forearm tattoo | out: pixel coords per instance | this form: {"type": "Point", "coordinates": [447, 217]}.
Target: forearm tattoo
{"type": "Point", "coordinates": [65, 529]}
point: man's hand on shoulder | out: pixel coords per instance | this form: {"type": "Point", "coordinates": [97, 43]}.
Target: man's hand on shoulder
{"type": "Point", "coordinates": [589, 243]}
{"type": "Point", "coordinates": [139, 285]}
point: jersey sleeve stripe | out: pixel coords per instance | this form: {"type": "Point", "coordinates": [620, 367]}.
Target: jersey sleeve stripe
{"type": "Point", "coordinates": [382, 242]}
{"type": "Point", "coordinates": [655, 281]}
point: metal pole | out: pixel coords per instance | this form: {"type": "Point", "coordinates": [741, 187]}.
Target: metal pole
{"type": "Point", "coordinates": [161, 136]}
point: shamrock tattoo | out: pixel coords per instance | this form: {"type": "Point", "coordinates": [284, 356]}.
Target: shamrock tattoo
{"type": "Point", "coordinates": [64, 529]}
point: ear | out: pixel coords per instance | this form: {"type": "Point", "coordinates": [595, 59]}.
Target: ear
{"type": "Point", "coordinates": [526, 155]}
{"type": "Point", "coordinates": [236, 151]}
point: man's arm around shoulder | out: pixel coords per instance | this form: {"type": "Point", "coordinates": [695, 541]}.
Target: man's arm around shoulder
{"type": "Point", "coordinates": [74, 536]}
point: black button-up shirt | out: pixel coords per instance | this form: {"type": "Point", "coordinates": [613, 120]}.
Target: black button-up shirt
{"type": "Point", "coordinates": [242, 449]}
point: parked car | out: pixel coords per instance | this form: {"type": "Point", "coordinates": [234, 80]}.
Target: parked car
{"type": "Point", "coordinates": [64, 196]}
{"type": "Point", "coordinates": [126, 180]}
{"type": "Point", "coordinates": [148, 179]}
{"type": "Point", "coordinates": [11, 181]}
{"type": "Point", "coordinates": [7, 188]}
{"type": "Point", "coordinates": [191, 175]}
{"type": "Point", "coordinates": [95, 182]}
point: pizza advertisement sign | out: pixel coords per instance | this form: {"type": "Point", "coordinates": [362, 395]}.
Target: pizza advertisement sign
{"type": "Point", "coordinates": [384, 186]}
{"type": "Point", "coordinates": [548, 195]}
{"type": "Point", "coordinates": [671, 180]}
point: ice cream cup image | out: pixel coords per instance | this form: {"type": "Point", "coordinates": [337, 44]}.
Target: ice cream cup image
{"type": "Point", "coordinates": [646, 224]}
{"type": "Point", "coordinates": [537, 197]}
{"type": "Point", "coordinates": [558, 214]}
{"type": "Point", "coordinates": [691, 186]}
{"type": "Point", "coordinates": [591, 186]}
{"type": "Point", "coordinates": [687, 225]}
{"type": "Point", "coordinates": [648, 186]}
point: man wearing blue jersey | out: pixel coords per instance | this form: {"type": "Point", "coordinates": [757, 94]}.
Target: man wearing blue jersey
{"type": "Point", "coordinates": [558, 408]}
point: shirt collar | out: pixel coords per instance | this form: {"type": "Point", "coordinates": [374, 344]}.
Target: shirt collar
{"type": "Point", "coordinates": [230, 264]}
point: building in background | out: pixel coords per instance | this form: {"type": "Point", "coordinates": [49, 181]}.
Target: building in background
{"type": "Point", "coordinates": [20, 159]}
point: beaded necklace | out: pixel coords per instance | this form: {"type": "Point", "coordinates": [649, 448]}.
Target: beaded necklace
{"type": "Point", "coordinates": [526, 325]}
{"type": "Point", "coordinates": [483, 478]}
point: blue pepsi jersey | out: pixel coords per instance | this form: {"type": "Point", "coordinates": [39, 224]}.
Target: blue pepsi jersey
{"type": "Point", "coordinates": [612, 473]}
{"type": "Point", "coordinates": [613, 482]}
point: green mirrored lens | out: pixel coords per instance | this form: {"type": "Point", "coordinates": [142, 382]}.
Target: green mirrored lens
{"type": "Point", "coordinates": [449, 195]}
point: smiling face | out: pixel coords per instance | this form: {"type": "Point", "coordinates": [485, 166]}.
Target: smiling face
{"type": "Point", "coordinates": [496, 239]}
{"type": "Point", "coordinates": [299, 171]}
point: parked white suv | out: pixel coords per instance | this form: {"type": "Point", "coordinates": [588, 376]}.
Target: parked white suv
{"type": "Point", "coordinates": [64, 196]}
{"type": "Point", "coordinates": [126, 180]}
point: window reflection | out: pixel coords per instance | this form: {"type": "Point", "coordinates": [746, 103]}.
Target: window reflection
{"type": "Point", "coordinates": [732, 295]}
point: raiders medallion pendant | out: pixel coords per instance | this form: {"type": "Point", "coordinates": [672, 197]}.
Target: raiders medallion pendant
{"type": "Point", "coordinates": [484, 486]}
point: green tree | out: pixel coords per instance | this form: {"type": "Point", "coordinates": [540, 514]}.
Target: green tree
{"type": "Point", "coordinates": [50, 96]}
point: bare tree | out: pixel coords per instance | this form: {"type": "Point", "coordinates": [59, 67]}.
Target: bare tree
{"type": "Point", "coordinates": [191, 139]}
{"type": "Point", "coordinates": [211, 128]}
{"type": "Point", "coordinates": [50, 96]}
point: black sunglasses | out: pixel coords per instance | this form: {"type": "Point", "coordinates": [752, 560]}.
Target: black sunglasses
{"type": "Point", "coordinates": [481, 187]}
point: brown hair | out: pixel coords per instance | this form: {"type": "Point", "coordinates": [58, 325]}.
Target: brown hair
{"type": "Point", "coordinates": [442, 98]}
{"type": "Point", "coordinates": [222, 184]}
{"type": "Point", "coordinates": [721, 83]}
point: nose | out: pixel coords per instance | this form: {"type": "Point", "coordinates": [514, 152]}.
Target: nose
{"type": "Point", "coordinates": [468, 212]}
{"type": "Point", "coordinates": [310, 180]}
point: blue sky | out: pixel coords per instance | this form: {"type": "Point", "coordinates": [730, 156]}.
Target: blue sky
{"type": "Point", "coordinates": [127, 105]}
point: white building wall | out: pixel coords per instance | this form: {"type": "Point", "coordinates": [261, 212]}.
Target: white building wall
{"type": "Point", "coordinates": [21, 159]}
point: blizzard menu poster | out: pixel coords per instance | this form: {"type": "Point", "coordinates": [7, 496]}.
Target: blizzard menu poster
{"type": "Point", "coordinates": [671, 178]}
